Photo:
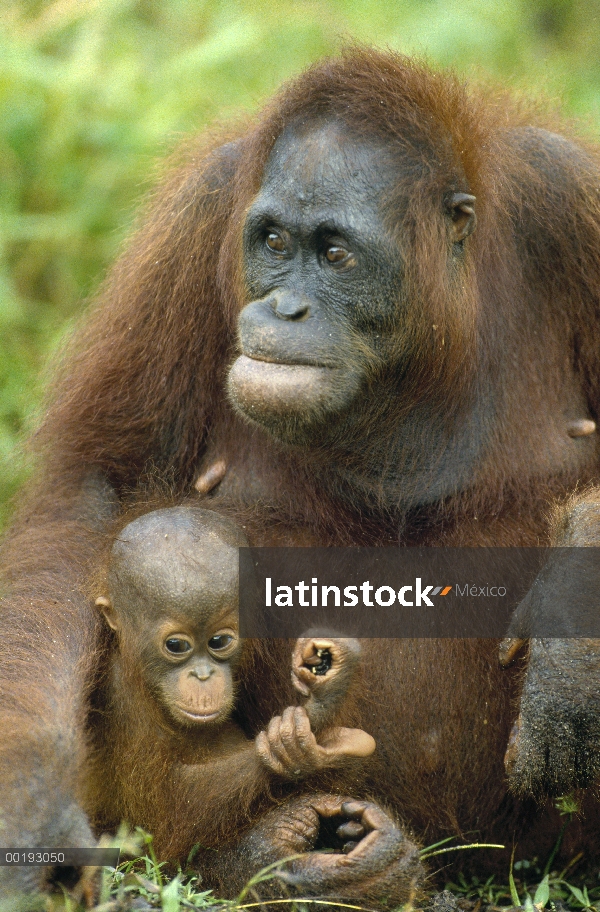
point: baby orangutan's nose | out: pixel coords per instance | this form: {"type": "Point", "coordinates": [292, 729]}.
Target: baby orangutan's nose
{"type": "Point", "coordinates": [202, 670]}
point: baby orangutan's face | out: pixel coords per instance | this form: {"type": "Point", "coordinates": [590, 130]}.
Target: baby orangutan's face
{"type": "Point", "coordinates": [192, 673]}
{"type": "Point", "coordinates": [187, 660]}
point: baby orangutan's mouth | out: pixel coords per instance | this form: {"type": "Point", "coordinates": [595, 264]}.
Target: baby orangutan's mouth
{"type": "Point", "coordinates": [198, 717]}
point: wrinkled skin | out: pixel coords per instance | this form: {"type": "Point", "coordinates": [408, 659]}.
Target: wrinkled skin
{"type": "Point", "coordinates": [324, 347]}
{"type": "Point", "coordinates": [300, 368]}
{"type": "Point", "coordinates": [554, 745]}
{"type": "Point", "coordinates": [554, 742]}
{"type": "Point", "coordinates": [377, 858]}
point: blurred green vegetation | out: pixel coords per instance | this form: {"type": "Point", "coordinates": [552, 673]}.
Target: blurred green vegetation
{"type": "Point", "coordinates": [93, 91]}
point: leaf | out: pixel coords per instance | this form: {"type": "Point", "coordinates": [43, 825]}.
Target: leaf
{"type": "Point", "coordinates": [577, 894]}
{"type": "Point", "coordinates": [136, 880]}
{"type": "Point", "coordinates": [436, 845]}
{"type": "Point", "coordinates": [169, 896]}
{"type": "Point", "coordinates": [567, 804]}
{"type": "Point", "coordinates": [511, 882]}
{"type": "Point", "coordinates": [542, 894]}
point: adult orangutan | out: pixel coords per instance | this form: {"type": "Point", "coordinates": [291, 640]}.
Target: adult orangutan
{"type": "Point", "coordinates": [369, 317]}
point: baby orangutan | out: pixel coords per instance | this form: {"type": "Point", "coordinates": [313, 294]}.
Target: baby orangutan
{"type": "Point", "coordinates": [164, 744]}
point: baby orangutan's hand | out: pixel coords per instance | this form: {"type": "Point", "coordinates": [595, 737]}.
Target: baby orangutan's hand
{"type": "Point", "coordinates": [289, 748]}
{"type": "Point", "coordinates": [323, 667]}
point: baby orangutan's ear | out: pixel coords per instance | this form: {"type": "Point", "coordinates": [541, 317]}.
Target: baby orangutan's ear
{"type": "Point", "coordinates": [106, 608]}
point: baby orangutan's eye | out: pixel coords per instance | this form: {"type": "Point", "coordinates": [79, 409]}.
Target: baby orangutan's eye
{"type": "Point", "coordinates": [220, 641]}
{"type": "Point", "coordinates": [177, 645]}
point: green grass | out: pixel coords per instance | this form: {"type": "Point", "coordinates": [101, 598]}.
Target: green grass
{"type": "Point", "coordinates": [526, 886]}
{"type": "Point", "coordinates": [531, 884]}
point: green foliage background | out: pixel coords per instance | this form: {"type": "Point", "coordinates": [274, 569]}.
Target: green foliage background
{"type": "Point", "coordinates": [92, 92]}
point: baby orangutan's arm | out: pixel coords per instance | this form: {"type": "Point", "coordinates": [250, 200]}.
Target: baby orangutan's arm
{"type": "Point", "coordinates": [322, 670]}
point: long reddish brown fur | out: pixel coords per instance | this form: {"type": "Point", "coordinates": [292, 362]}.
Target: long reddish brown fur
{"type": "Point", "coordinates": [140, 393]}
{"type": "Point", "coordinates": [182, 788]}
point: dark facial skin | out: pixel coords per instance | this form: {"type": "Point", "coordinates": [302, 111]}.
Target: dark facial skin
{"type": "Point", "coordinates": [173, 601]}
{"type": "Point", "coordinates": [323, 278]}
